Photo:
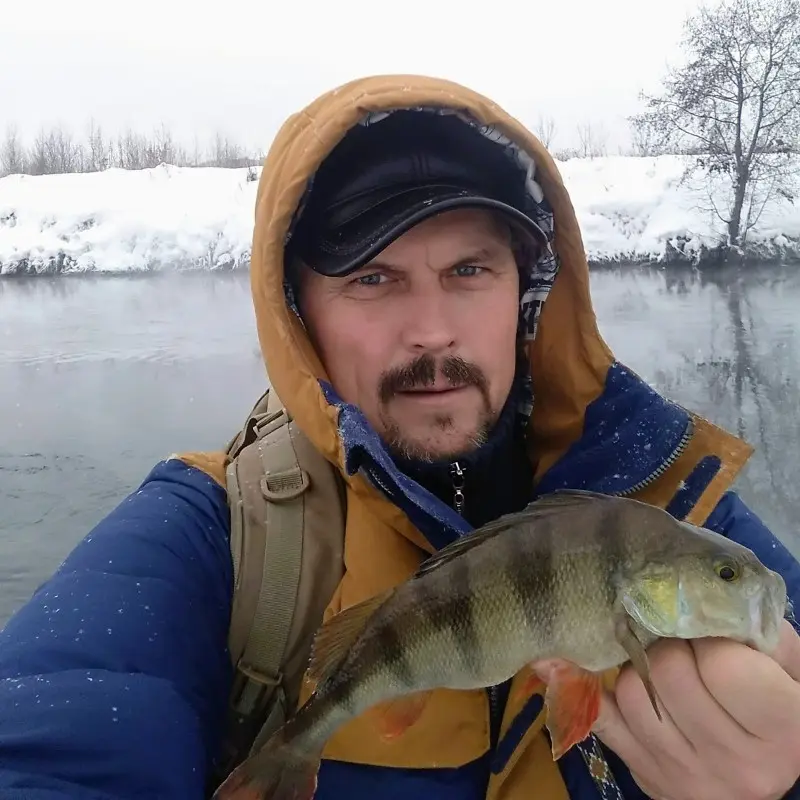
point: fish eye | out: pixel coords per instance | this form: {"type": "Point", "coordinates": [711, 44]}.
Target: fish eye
{"type": "Point", "coordinates": [728, 572]}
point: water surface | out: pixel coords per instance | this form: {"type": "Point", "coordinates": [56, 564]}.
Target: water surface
{"type": "Point", "coordinates": [102, 377]}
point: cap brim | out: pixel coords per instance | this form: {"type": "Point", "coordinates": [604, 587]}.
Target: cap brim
{"type": "Point", "coordinates": [338, 260]}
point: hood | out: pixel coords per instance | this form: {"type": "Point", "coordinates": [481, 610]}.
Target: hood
{"type": "Point", "coordinates": [568, 357]}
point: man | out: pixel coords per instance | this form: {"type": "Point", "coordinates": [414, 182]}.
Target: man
{"type": "Point", "coordinates": [434, 340]}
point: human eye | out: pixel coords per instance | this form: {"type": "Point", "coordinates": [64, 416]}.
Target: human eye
{"type": "Point", "coordinates": [370, 279]}
{"type": "Point", "coordinates": [468, 270]}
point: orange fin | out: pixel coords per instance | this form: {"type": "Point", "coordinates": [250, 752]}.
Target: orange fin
{"type": "Point", "coordinates": [528, 684]}
{"type": "Point", "coordinates": [266, 776]}
{"type": "Point", "coordinates": [573, 703]}
{"type": "Point", "coordinates": [396, 716]}
{"type": "Point", "coordinates": [336, 636]}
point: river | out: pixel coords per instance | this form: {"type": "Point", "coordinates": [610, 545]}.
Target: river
{"type": "Point", "coordinates": [102, 377]}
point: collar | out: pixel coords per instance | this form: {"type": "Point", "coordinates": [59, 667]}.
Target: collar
{"type": "Point", "coordinates": [493, 479]}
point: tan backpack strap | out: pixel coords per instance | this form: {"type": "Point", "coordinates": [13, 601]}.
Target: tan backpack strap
{"type": "Point", "coordinates": [247, 435]}
{"type": "Point", "coordinates": [283, 483]}
{"type": "Point", "coordinates": [272, 469]}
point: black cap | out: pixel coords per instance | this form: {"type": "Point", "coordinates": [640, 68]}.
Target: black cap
{"type": "Point", "coordinates": [384, 178]}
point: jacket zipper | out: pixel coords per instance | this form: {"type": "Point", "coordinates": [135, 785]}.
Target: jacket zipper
{"type": "Point", "coordinates": [457, 473]}
{"type": "Point", "coordinates": [665, 465]}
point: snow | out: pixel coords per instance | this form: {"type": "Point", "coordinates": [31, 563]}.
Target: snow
{"type": "Point", "coordinates": [121, 220]}
{"type": "Point", "coordinates": [630, 210]}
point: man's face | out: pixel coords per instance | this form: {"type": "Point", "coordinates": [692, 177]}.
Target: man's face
{"type": "Point", "coordinates": [423, 338]}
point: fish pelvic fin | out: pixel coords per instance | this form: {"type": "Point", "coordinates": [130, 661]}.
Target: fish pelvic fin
{"type": "Point", "coordinates": [572, 699]}
{"type": "Point", "coordinates": [336, 637]}
{"type": "Point", "coordinates": [396, 716]}
{"type": "Point", "coordinates": [627, 638]}
{"type": "Point", "coordinates": [277, 772]}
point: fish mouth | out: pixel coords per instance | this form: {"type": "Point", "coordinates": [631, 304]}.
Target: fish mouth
{"type": "Point", "coordinates": [767, 610]}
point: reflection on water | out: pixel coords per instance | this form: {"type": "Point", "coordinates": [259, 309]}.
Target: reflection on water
{"type": "Point", "coordinates": [727, 345]}
{"type": "Point", "coordinates": [101, 377]}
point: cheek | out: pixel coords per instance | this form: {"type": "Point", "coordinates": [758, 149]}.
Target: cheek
{"type": "Point", "coordinates": [494, 341]}
{"type": "Point", "coordinates": [353, 351]}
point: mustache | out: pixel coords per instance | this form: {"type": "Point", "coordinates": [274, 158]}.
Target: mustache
{"type": "Point", "coordinates": [422, 372]}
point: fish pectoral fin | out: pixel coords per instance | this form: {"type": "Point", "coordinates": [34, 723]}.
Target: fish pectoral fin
{"type": "Point", "coordinates": [629, 641]}
{"type": "Point", "coordinates": [396, 716]}
{"type": "Point", "coordinates": [335, 637]}
{"type": "Point", "coordinates": [573, 703]}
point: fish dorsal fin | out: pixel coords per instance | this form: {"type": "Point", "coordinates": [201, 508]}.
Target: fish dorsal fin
{"type": "Point", "coordinates": [336, 636]}
{"type": "Point", "coordinates": [471, 540]}
{"type": "Point", "coordinates": [569, 498]}
{"type": "Point", "coordinates": [559, 500]}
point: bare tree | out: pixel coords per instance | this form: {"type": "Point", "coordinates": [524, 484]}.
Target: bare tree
{"type": "Point", "coordinates": [12, 153]}
{"type": "Point", "coordinates": [645, 141]}
{"type": "Point", "coordinates": [38, 163]}
{"type": "Point", "coordinates": [99, 155]}
{"type": "Point", "coordinates": [62, 153]}
{"type": "Point", "coordinates": [593, 141]}
{"type": "Point", "coordinates": [545, 129]}
{"type": "Point", "coordinates": [736, 103]}
{"type": "Point", "coordinates": [55, 150]}
{"type": "Point", "coordinates": [225, 153]}
{"type": "Point", "coordinates": [131, 150]}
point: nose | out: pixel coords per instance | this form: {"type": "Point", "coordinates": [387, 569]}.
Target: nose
{"type": "Point", "coordinates": [428, 325]}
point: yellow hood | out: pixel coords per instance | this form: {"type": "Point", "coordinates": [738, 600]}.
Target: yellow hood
{"type": "Point", "coordinates": [569, 357]}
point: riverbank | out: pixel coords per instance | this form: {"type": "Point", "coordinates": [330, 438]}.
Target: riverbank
{"type": "Point", "coordinates": [632, 211]}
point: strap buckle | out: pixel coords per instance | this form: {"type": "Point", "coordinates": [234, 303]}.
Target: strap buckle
{"type": "Point", "coordinates": [280, 487]}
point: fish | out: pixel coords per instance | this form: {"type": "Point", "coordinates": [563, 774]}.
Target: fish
{"type": "Point", "coordinates": [578, 581]}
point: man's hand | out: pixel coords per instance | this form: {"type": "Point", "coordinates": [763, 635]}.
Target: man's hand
{"type": "Point", "coordinates": [731, 720]}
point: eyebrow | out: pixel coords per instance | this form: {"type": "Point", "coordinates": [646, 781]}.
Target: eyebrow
{"type": "Point", "coordinates": [479, 254]}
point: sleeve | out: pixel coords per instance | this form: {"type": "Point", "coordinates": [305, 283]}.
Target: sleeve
{"type": "Point", "coordinates": [732, 518]}
{"type": "Point", "coordinates": [114, 676]}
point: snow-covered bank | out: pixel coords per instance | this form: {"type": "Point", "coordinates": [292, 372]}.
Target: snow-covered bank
{"type": "Point", "coordinates": [630, 210]}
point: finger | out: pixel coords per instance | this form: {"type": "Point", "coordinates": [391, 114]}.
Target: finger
{"type": "Point", "coordinates": [663, 738]}
{"type": "Point", "coordinates": [787, 653]}
{"type": "Point", "coordinates": [753, 688]}
{"type": "Point", "coordinates": [612, 729]}
{"type": "Point", "coordinates": [693, 709]}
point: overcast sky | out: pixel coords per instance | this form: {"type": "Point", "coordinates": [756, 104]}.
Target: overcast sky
{"type": "Point", "coordinates": [242, 67]}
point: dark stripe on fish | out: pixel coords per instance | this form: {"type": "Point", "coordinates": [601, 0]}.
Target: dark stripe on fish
{"type": "Point", "coordinates": [463, 614]}
{"type": "Point", "coordinates": [394, 655]}
{"type": "Point", "coordinates": [341, 692]}
{"type": "Point", "coordinates": [611, 552]}
{"type": "Point", "coordinates": [533, 579]}
{"type": "Point", "coordinates": [453, 611]}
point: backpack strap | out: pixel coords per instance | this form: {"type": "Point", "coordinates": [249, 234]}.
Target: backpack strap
{"type": "Point", "coordinates": [287, 506]}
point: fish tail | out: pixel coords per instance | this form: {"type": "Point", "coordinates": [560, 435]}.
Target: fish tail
{"type": "Point", "coordinates": [277, 772]}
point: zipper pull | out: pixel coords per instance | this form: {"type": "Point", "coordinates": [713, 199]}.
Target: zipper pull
{"type": "Point", "coordinates": [457, 473]}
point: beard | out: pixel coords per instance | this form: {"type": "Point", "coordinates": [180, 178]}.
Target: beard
{"type": "Point", "coordinates": [447, 438]}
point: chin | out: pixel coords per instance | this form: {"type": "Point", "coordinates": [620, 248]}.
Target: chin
{"type": "Point", "coordinates": [436, 445]}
